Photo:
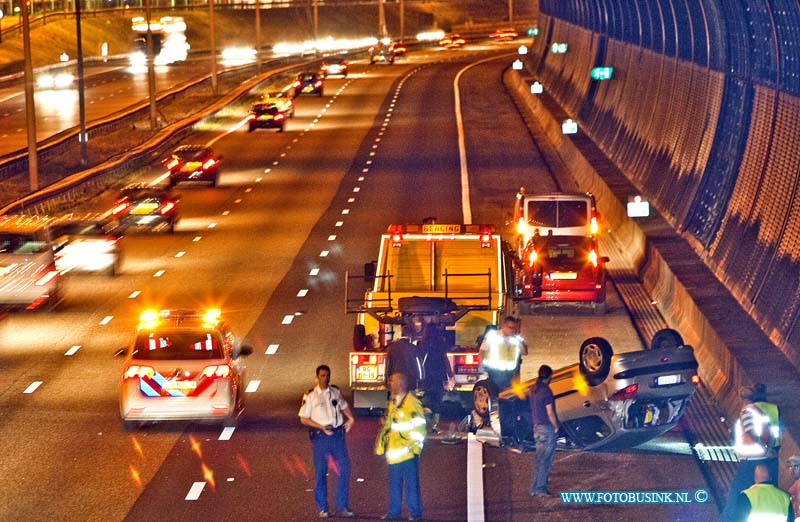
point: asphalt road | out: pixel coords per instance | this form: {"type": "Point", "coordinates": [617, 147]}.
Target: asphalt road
{"type": "Point", "coordinates": [294, 210]}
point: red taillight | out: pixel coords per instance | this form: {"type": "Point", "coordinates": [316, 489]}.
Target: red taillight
{"type": "Point", "coordinates": [486, 240]}
{"type": "Point", "coordinates": [251, 117]}
{"type": "Point", "coordinates": [133, 372]}
{"type": "Point", "coordinates": [532, 257]}
{"type": "Point", "coordinates": [371, 49]}
{"type": "Point", "coordinates": [593, 257]}
{"type": "Point", "coordinates": [318, 83]}
{"type": "Point", "coordinates": [628, 392]}
{"type": "Point", "coordinates": [48, 276]}
{"type": "Point", "coordinates": [397, 239]}
{"type": "Point", "coordinates": [279, 117]}
{"type": "Point", "coordinates": [120, 208]}
{"type": "Point", "coordinates": [296, 83]}
{"type": "Point", "coordinates": [695, 379]}
{"type": "Point", "coordinates": [173, 163]}
{"type": "Point", "coordinates": [471, 360]}
{"type": "Point", "coordinates": [210, 162]}
{"type": "Point", "coordinates": [166, 208]}
{"type": "Point", "coordinates": [218, 371]}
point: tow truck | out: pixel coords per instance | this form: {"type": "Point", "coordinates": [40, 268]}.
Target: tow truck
{"type": "Point", "coordinates": [452, 275]}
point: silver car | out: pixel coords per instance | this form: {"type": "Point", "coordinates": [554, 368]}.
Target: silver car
{"type": "Point", "coordinates": [28, 275]}
{"type": "Point", "coordinates": [182, 365]}
{"type": "Point", "coordinates": [604, 401]}
{"type": "Point", "coordinates": [86, 244]}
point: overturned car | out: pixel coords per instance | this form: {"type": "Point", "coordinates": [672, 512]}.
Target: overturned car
{"type": "Point", "coordinates": [604, 401]}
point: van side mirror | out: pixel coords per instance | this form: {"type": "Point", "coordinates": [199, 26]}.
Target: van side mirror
{"type": "Point", "coordinates": [369, 272]}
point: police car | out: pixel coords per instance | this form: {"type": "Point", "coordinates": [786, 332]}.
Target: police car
{"type": "Point", "coordinates": [183, 364]}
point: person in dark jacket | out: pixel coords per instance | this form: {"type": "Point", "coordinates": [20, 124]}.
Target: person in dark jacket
{"type": "Point", "coordinates": [437, 371]}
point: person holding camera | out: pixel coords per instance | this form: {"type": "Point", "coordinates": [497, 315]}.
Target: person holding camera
{"type": "Point", "coordinates": [328, 417]}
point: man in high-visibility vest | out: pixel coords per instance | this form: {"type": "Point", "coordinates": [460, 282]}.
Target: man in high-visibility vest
{"type": "Point", "coordinates": [401, 440]}
{"type": "Point", "coordinates": [501, 358]}
{"type": "Point", "coordinates": [794, 490]}
{"type": "Point", "coordinates": [763, 502]}
{"type": "Point", "coordinates": [757, 440]}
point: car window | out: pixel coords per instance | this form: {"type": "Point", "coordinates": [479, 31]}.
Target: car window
{"type": "Point", "coordinates": [565, 248]}
{"type": "Point", "coordinates": [171, 344]}
{"type": "Point", "coordinates": [191, 154]}
{"type": "Point", "coordinates": [543, 213]}
{"type": "Point", "coordinates": [21, 244]}
{"type": "Point", "coordinates": [572, 213]}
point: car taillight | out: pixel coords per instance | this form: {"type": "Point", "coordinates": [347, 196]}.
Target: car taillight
{"type": "Point", "coordinates": [695, 379]}
{"type": "Point", "coordinates": [397, 239]}
{"type": "Point", "coordinates": [626, 393]}
{"type": "Point", "coordinates": [593, 257]}
{"type": "Point", "coordinates": [371, 49]}
{"type": "Point", "coordinates": [325, 67]}
{"type": "Point", "coordinates": [469, 359]}
{"type": "Point", "coordinates": [486, 240]}
{"type": "Point", "coordinates": [217, 371]}
{"type": "Point", "coordinates": [133, 372]}
{"type": "Point", "coordinates": [166, 208]}
{"type": "Point", "coordinates": [120, 208]}
{"type": "Point", "coordinates": [173, 163]}
{"type": "Point", "coordinates": [521, 225]}
{"type": "Point", "coordinates": [318, 83]}
{"type": "Point", "coordinates": [296, 83]}
{"type": "Point", "coordinates": [47, 276]}
{"type": "Point", "coordinates": [251, 117]}
{"type": "Point", "coordinates": [279, 117]}
{"type": "Point", "coordinates": [210, 162]}
{"type": "Point", "coordinates": [532, 257]}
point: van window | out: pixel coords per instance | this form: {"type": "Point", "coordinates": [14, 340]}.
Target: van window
{"type": "Point", "coordinates": [572, 213]}
{"type": "Point", "coordinates": [21, 244]}
{"type": "Point", "coordinates": [557, 214]}
{"type": "Point", "coordinates": [543, 213]}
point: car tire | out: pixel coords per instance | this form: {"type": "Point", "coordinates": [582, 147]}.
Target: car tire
{"type": "Point", "coordinates": [129, 425]}
{"type": "Point", "coordinates": [666, 338]}
{"type": "Point", "coordinates": [595, 359]}
{"type": "Point", "coordinates": [420, 305]}
{"type": "Point", "coordinates": [484, 393]}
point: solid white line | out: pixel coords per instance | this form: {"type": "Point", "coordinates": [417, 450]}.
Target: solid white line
{"type": "Point", "coordinates": [475, 511]}
{"type": "Point", "coordinates": [32, 387]}
{"type": "Point", "coordinates": [462, 150]}
{"type": "Point", "coordinates": [227, 433]}
{"type": "Point", "coordinates": [195, 490]}
{"type": "Point", "coordinates": [72, 350]}
{"type": "Point", "coordinates": [252, 386]}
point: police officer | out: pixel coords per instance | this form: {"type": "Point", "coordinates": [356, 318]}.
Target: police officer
{"type": "Point", "coordinates": [763, 501]}
{"type": "Point", "coordinates": [328, 417]}
{"type": "Point", "coordinates": [757, 440]}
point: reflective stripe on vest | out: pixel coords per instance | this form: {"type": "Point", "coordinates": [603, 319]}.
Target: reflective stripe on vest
{"type": "Point", "coordinates": [503, 352]}
{"type": "Point", "coordinates": [767, 503]}
{"type": "Point", "coordinates": [764, 417]}
{"type": "Point", "coordinates": [772, 412]}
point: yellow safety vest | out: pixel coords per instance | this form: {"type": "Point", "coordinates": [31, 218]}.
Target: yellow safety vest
{"type": "Point", "coordinates": [765, 418]}
{"type": "Point", "coordinates": [403, 433]}
{"type": "Point", "coordinates": [767, 503]}
{"type": "Point", "coordinates": [500, 352]}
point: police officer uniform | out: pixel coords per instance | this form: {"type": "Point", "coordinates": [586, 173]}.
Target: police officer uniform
{"type": "Point", "coordinates": [325, 408]}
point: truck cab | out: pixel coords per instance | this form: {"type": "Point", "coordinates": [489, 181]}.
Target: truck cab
{"type": "Point", "coordinates": [453, 275]}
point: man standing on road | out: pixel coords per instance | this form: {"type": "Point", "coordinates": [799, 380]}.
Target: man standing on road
{"type": "Point", "coordinates": [764, 501]}
{"type": "Point", "coordinates": [545, 427]}
{"type": "Point", "coordinates": [401, 440]}
{"type": "Point", "coordinates": [324, 411]}
{"type": "Point", "coordinates": [757, 440]}
{"type": "Point", "coordinates": [794, 489]}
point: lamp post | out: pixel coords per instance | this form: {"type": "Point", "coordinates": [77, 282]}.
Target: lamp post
{"type": "Point", "coordinates": [402, 21]}
{"type": "Point", "coordinates": [151, 69]}
{"type": "Point", "coordinates": [258, 36]}
{"type": "Point", "coordinates": [30, 109]}
{"type": "Point", "coordinates": [381, 20]}
{"type": "Point", "coordinates": [214, 88]}
{"type": "Point", "coordinates": [315, 21]}
{"type": "Point", "coordinates": [83, 137]}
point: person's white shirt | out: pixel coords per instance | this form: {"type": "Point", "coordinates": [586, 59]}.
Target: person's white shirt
{"type": "Point", "coordinates": [324, 406]}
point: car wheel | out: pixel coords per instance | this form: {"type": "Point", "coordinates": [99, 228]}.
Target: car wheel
{"type": "Point", "coordinates": [483, 394]}
{"type": "Point", "coordinates": [666, 338]}
{"type": "Point", "coordinates": [595, 359]}
{"type": "Point", "coordinates": [129, 425]}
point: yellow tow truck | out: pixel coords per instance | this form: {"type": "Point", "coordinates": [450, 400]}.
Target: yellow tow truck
{"type": "Point", "coordinates": [453, 275]}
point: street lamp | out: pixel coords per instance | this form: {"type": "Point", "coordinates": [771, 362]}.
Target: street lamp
{"type": "Point", "coordinates": [214, 89]}
{"type": "Point", "coordinates": [30, 109]}
{"type": "Point", "coordinates": [83, 137]}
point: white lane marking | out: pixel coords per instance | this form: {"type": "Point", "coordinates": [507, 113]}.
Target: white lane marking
{"type": "Point", "coordinates": [237, 201]}
{"type": "Point", "coordinates": [369, 162]}
{"type": "Point", "coordinates": [227, 433]}
{"type": "Point", "coordinates": [345, 211]}
{"type": "Point", "coordinates": [466, 208]}
{"type": "Point", "coordinates": [212, 225]}
{"type": "Point", "coordinates": [287, 319]}
{"type": "Point", "coordinates": [351, 200]}
{"type": "Point", "coordinates": [302, 293]}
{"type": "Point", "coordinates": [283, 155]}
{"type": "Point", "coordinates": [159, 273]}
{"type": "Point", "coordinates": [258, 180]}
{"type": "Point", "coordinates": [252, 386]}
{"type": "Point", "coordinates": [227, 212]}
{"type": "Point", "coordinates": [324, 253]}
{"type": "Point", "coordinates": [332, 237]}
{"type": "Point", "coordinates": [375, 146]}
{"type": "Point", "coordinates": [314, 271]}
{"type": "Point", "coordinates": [73, 350]}
{"type": "Point", "coordinates": [339, 223]}
{"type": "Point", "coordinates": [474, 480]}
{"type": "Point", "coordinates": [372, 153]}
{"type": "Point", "coordinates": [180, 254]}
{"type": "Point", "coordinates": [32, 386]}
{"type": "Point", "coordinates": [275, 163]}
{"type": "Point", "coordinates": [107, 319]}
{"type": "Point", "coordinates": [365, 170]}
{"type": "Point", "coordinates": [135, 294]}
{"type": "Point", "coordinates": [356, 189]}
{"type": "Point", "coordinates": [195, 490]}
{"type": "Point", "coordinates": [361, 178]}
{"type": "Point", "coordinates": [10, 96]}
{"type": "Point", "coordinates": [197, 238]}
{"type": "Point", "coordinates": [249, 189]}
{"type": "Point", "coordinates": [272, 349]}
